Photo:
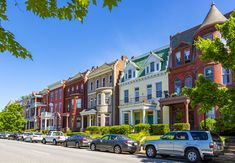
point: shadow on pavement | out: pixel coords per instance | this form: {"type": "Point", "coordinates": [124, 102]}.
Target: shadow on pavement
{"type": "Point", "coordinates": [160, 160]}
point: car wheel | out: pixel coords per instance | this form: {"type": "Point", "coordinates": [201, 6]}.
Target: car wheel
{"type": "Point", "coordinates": [78, 145]}
{"type": "Point", "coordinates": [93, 147]}
{"type": "Point", "coordinates": [54, 142]}
{"type": "Point", "coordinates": [117, 149]}
{"type": "Point", "coordinates": [65, 144]}
{"type": "Point", "coordinates": [192, 155]}
{"type": "Point", "coordinates": [151, 152]}
{"type": "Point", "coordinates": [44, 141]}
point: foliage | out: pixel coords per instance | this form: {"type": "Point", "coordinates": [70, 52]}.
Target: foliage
{"type": "Point", "coordinates": [11, 118]}
{"type": "Point", "coordinates": [181, 126]}
{"type": "Point", "coordinates": [104, 130]}
{"type": "Point", "coordinates": [93, 129]}
{"type": "Point", "coordinates": [210, 124]}
{"type": "Point", "coordinates": [75, 133]}
{"type": "Point", "coordinates": [140, 137]}
{"type": "Point", "coordinates": [142, 128]}
{"type": "Point", "coordinates": [160, 129]}
{"type": "Point", "coordinates": [44, 132]}
{"type": "Point", "coordinates": [121, 129]}
{"type": "Point", "coordinates": [70, 10]}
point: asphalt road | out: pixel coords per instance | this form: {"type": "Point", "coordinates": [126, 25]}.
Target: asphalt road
{"type": "Point", "coordinates": [21, 152]}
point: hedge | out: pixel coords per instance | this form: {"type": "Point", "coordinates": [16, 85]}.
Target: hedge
{"type": "Point", "coordinates": [210, 124]}
{"type": "Point", "coordinates": [140, 137]}
{"type": "Point", "coordinates": [160, 129]}
{"type": "Point", "coordinates": [75, 133]}
{"type": "Point", "coordinates": [104, 130]}
{"type": "Point", "coordinates": [44, 132]}
{"type": "Point", "coordinates": [94, 129]}
{"type": "Point", "coordinates": [142, 128]}
{"type": "Point", "coordinates": [121, 129]}
{"type": "Point", "coordinates": [181, 126]}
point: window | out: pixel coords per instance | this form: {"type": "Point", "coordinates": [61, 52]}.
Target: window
{"type": "Point", "coordinates": [147, 70]}
{"type": "Point", "coordinates": [211, 113]}
{"type": "Point", "coordinates": [103, 82]}
{"type": "Point", "coordinates": [226, 74]}
{"type": "Point", "coordinates": [159, 89]}
{"type": "Point", "coordinates": [95, 102]}
{"type": "Point", "coordinates": [78, 122]}
{"type": "Point", "coordinates": [77, 88]}
{"type": "Point", "coordinates": [169, 136]}
{"type": "Point", "coordinates": [110, 79]}
{"type": "Point", "coordinates": [107, 98]}
{"type": "Point", "coordinates": [137, 95]}
{"type": "Point", "coordinates": [52, 96]}
{"type": "Point", "coordinates": [126, 118]}
{"type": "Point", "coordinates": [68, 107]}
{"type": "Point", "coordinates": [99, 99]}
{"type": "Point", "coordinates": [61, 93]}
{"type": "Point", "coordinates": [97, 83]}
{"type": "Point", "coordinates": [134, 74]}
{"type": "Point", "coordinates": [107, 119]}
{"type": "Point", "coordinates": [177, 85]}
{"type": "Point", "coordinates": [126, 76]}
{"type": "Point", "coordinates": [68, 91]}
{"type": "Point", "coordinates": [56, 108]}
{"type": "Point", "coordinates": [56, 94]}
{"type": "Point", "coordinates": [91, 87]}
{"type": "Point", "coordinates": [209, 73]}
{"type": "Point", "coordinates": [129, 74]}
{"type": "Point", "coordinates": [126, 96]}
{"type": "Point", "coordinates": [188, 82]}
{"type": "Point", "coordinates": [72, 89]}
{"type": "Point", "coordinates": [158, 116]}
{"type": "Point", "coordinates": [91, 102]}
{"type": "Point", "coordinates": [208, 36]}
{"type": "Point", "coordinates": [186, 56]}
{"type": "Point", "coordinates": [105, 137]}
{"type": "Point", "coordinates": [199, 135]}
{"type": "Point", "coordinates": [152, 67]}
{"type": "Point", "coordinates": [72, 103]}
{"type": "Point", "coordinates": [149, 91]}
{"type": "Point", "coordinates": [60, 107]}
{"type": "Point", "coordinates": [81, 87]}
{"type": "Point", "coordinates": [157, 66]}
{"type": "Point", "coordinates": [181, 136]}
{"type": "Point", "coordinates": [178, 58]}
{"type": "Point", "coordinates": [137, 118]}
{"type": "Point", "coordinates": [79, 103]}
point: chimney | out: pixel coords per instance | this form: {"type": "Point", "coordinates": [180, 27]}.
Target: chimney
{"type": "Point", "coordinates": [124, 58]}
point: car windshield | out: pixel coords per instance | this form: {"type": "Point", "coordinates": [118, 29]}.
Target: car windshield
{"type": "Point", "coordinates": [58, 134]}
{"type": "Point", "coordinates": [169, 136]}
{"type": "Point", "coordinates": [123, 137]}
{"type": "Point", "coordinates": [216, 137]}
{"type": "Point", "coordinates": [199, 135]}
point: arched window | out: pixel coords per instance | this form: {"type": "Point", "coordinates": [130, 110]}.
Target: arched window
{"type": "Point", "coordinates": [177, 86]}
{"type": "Point", "coordinates": [188, 82]}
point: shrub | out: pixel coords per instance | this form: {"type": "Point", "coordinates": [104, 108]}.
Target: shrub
{"type": "Point", "coordinates": [210, 124]}
{"type": "Point", "coordinates": [181, 126]}
{"type": "Point", "coordinates": [121, 129]}
{"type": "Point", "coordinates": [142, 128]}
{"type": "Point", "coordinates": [160, 129]}
{"type": "Point", "coordinates": [140, 137]}
{"type": "Point", "coordinates": [93, 129]}
{"type": "Point", "coordinates": [104, 130]}
{"type": "Point", "coordinates": [75, 133]}
{"type": "Point", "coordinates": [44, 132]}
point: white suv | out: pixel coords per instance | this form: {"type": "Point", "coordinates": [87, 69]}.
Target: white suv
{"type": "Point", "coordinates": [54, 137]}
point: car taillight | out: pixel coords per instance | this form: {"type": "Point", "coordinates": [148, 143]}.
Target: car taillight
{"type": "Point", "coordinates": [128, 142]}
{"type": "Point", "coordinates": [211, 145]}
{"type": "Point", "coordinates": [84, 139]}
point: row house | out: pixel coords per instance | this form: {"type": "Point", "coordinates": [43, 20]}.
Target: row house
{"type": "Point", "coordinates": [75, 95]}
{"type": "Point", "coordinates": [143, 83]}
{"type": "Point", "coordinates": [51, 117]}
{"type": "Point", "coordinates": [103, 95]}
{"type": "Point", "coordinates": [185, 65]}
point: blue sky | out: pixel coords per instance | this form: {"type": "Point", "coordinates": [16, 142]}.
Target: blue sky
{"type": "Point", "coordinates": [60, 49]}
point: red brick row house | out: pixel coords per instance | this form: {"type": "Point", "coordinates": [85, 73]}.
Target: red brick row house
{"type": "Point", "coordinates": [185, 65]}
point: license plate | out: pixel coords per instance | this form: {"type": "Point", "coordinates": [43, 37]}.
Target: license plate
{"type": "Point", "coordinates": [135, 143]}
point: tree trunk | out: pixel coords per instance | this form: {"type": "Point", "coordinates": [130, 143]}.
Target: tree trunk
{"type": "Point", "coordinates": [204, 121]}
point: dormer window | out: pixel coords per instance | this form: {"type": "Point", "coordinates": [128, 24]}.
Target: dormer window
{"type": "Point", "coordinates": [157, 66]}
{"type": "Point", "coordinates": [152, 67]}
{"type": "Point", "coordinates": [177, 58]}
{"type": "Point", "coordinates": [97, 83]}
{"type": "Point", "coordinates": [186, 56]}
{"type": "Point", "coordinates": [133, 74]}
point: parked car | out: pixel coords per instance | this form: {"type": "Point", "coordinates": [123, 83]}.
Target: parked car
{"type": "Point", "coordinates": [23, 135]}
{"type": "Point", "coordinates": [115, 143]}
{"type": "Point", "coordinates": [4, 135]}
{"type": "Point", "coordinates": [54, 137]}
{"type": "Point", "coordinates": [194, 145]}
{"type": "Point", "coordinates": [77, 141]}
{"type": "Point", "coordinates": [12, 136]}
{"type": "Point", "coordinates": [34, 137]}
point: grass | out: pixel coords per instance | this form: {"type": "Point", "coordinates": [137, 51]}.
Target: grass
{"type": "Point", "coordinates": [153, 137]}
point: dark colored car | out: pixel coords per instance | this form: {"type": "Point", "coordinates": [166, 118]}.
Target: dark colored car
{"type": "Point", "coordinates": [115, 143]}
{"type": "Point", "coordinates": [77, 141]}
{"type": "Point", "coordinates": [13, 136]}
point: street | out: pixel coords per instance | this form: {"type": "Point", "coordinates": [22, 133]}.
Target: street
{"type": "Point", "coordinates": [21, 152]}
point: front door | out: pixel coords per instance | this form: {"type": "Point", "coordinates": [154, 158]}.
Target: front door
{"type": "Point", "coordinates": [150, 117]}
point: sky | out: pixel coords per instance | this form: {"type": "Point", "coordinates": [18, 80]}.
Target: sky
{"type": "Point", "coordinates": [60, 49]}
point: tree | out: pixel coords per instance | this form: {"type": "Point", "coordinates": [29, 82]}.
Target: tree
{"type": "Point", "coordinates": [11, 118]}
{"type": "Point", "coordinates": [72, 9]}
{"type": "Point", "coordinates": [207, 94]}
